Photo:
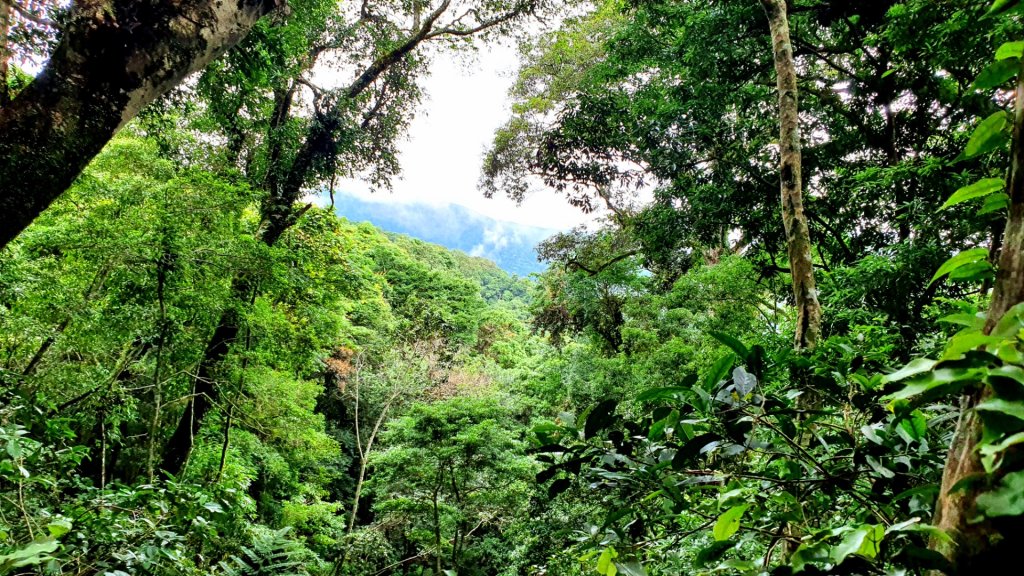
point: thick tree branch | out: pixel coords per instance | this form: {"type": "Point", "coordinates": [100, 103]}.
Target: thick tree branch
{"type": "Point", "coordinates": [115, 57]}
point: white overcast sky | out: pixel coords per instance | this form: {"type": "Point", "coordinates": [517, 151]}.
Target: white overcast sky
{"type": "Point", "coordinates": [465, 102]}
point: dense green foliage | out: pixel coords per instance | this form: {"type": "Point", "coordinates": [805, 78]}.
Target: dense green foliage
{"type": "Point", "coordinates": [202, 374]}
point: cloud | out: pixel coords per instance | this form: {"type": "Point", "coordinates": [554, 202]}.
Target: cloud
{"type": "Point", "coordinates": [509, 244]}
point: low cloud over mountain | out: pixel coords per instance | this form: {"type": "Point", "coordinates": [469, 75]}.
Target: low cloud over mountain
{"type": "Point", "coordinates": [510, 245]}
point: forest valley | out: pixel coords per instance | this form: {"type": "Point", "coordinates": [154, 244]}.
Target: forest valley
{"type": "Point", "coordinates": [803, 355]}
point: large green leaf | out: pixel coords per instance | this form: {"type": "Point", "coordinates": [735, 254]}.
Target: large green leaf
{"type": "Point", "coordinates": [973, 321]}
{"type": "Point", "coordinates": [1013, 49]}
{"type": "Point", "coordinates": [31, 554]}
{"type": "Point", "coordinates": [962, 259]}
{"type": "Point", "coordinates": [1001, 406]}
{"type": "Point", "coordinates": [994, 203]}
{"type": "Point", "coordinates": [732, 343]}
{"type": "Point", "coordinates": [939, 381]}
{"type": "Point", "coordinates": [666, 393]}
{"type": "Point", "coordinates": [605, 564]}
{"type": "Point", "coordinates": [965, 341]}
{"type": "Point", "coordinates": [718, 371]}
{"type": "Point", "coordinates": [729, 522]}
{"type": "Point", "coordinates": [980, 188]}
{"type": "Point", "coordinates": [657, 431]}
{"type": "Point", "coordinates": [916, 366]}
{"type": "Point", "coordinates": [973, 272]}
{"type": "Point", "coordinates": [988, 136]}
{"type": "Point", "coordinates": [631, 568]}
{"type": "Point", "coordinates": [997, 73]}
{"type": "Point", "coordinates": [863, 541]}
{"type": "Point", "coordinates": [990, 453]}
{"type": "Point", "coordinates": [1000, 6]}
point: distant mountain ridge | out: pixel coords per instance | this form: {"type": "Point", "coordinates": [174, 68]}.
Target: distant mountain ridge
{"type": "Point", "coordinates": [509, 245]}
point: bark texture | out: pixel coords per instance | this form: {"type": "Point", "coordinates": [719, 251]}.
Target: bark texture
{"type": "Point", "coordinates": [798, 239]}
{"type": "Point", "coordinates": [115, 57]}
{"type": "Point", "coordinates": [978, 547]}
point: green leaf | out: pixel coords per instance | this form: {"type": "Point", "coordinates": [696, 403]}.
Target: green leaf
{"type": "Point", "coordinates": [604, 562]}
{"type": "Point", "coordinates": [1007, 499]}
{"type": "Point", "coordinates": [994, 203]}
{"type": "Point", "coordinates": [711, 552]}
{"type": "Point", "coordinates": [973, 321]}
{"type": "Point", "coordinates": [916, 366]}
{"type": "Point", "coordinates": [973, 272]}
{"type": "Point", "coordinates": [1007, 380]}
{"type": "Point", "coordinates": [732, 343]}
{"type": "Point", "coordinates": [879, 467]}
{"type": "Point", "coordinates": [718, 371]}
{"type": "Point", "coordinates": [863, 541]}
{"type": "Point", "coordinates": [980, 188]}
{"type": "Point", "coordinates": [729, 522]}
{"type": "Point", "coordinates": [915, 426]}
{"type": "Point", "coordinates": [927, 490]}
{"type": "Point", "coordinates": [1000, 6]}
{"type": "Point", "coordinates": [996, 74]}
{"type": "Point", "coordinates": [1001, 406]}
{"type": "Point", "coordinates": [871, 433]}
{"type": "Point", "coordinates": [666, 393]}
{"type": "Point", "coordinates": [965, 341]}
{"type": "Point", "coordinates": [935, 382]}
{"type": "Point", "coordinates": [990, 452]}
{"type": "Point", "coordinates": [657, 431]}
{"type": "Point", "coordinates": [914, 525]}
{"type": "Point", "coordinates": [962, 259]}
{"type": "Point", "coordinates": [59, 527]}
{"type": "Point", "coordinates": [34, 553]}
{"type": "Point", "coordinates": [1010, 50]}
{"type": "Point", "coordinates": [1011, 323]}
{"type": "Point", "coordinates": [988, 136]}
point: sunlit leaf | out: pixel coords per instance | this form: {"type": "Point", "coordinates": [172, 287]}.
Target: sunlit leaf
{"type": "Point", "coordinates": [1002, 406]}
{"type": "Point", "coordinates": [1013, 49]}
{"type": "Point", "coordinates": [729, 522]}
{"type": "Point", "coordinates": [962, 259]}
{"type": "Point", "coordinates": [1000, 6]}
{"type": "Point", "coordinates": [997, 73]}
{"type": "Point", "coordinates": [977, 190]}
{"type": "Point", "coordinates": [916, 366]}
{"type": "Point", "coordinates": [988, 136]}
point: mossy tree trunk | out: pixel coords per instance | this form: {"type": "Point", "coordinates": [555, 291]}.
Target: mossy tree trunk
{"type": "Point", "coordinates": [979, 546]}
{"type": "Point", "coordinates": [114, 58]}
{"type": "Point", "coordinates": [798, 239]}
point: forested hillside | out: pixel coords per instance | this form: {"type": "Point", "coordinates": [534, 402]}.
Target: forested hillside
{"type": "Point", "coordinates": [792, 344]}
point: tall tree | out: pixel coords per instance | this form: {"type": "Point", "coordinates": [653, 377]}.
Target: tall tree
{"type": "Point", "coordinates": [798, 238]}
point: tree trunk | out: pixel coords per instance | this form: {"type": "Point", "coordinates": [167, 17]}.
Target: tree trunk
{"type": "Point", "coordinates": [114, 58]}
{"type": "Point", "coordinates": [204, 393]}
{"type": "Point", "coordinates": [5, 51]}
{"type": "Point", "coordinates": [438, 554]}
{"type": "Point", "coordinates": [798, 240]}
{"type": "Point", "coordinates": [978, 547]}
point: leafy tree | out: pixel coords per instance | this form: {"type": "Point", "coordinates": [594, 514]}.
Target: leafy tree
{"type": "Point", "coordinates": [454, 474]}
